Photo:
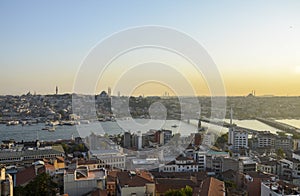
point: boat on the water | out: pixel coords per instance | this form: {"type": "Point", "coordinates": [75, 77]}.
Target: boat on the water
{"type": "Point", "coordinates": [70, 123]}
{"type": "Point", "coordinates": [52, 123]}
{"type": "Point", "coordinates": [24, 123]}
{"type": "Point", "coordinates": [50, 129]}
{"type": "Point", "coordinates": [12, 122]}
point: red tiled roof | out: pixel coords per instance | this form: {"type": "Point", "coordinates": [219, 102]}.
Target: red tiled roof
{"type": "Point", "coordinates": [253, 188]}
{"type": "Point", "coordinates": [212, 187]}
{"type": "Point", "coordinates": [60, 159]}
{"type": "Point", "coordinates": [111, 176]}
{"type": "Point", "coordinates": [99, 192]}
{"type": "Point", "coordinates": [125, 179]}
{"type": "Point", "coordinates": [25, 176]}
{"type": "Point", "coordinates": [113, 173]}
{"type": "Point", "coordinates": [46, 160]}
{"type": "Point", "coordinates": [49, 167]}
{"type": "Point", "coordinates": [260, 175]}
{"type": "Point", "coordinates": [146, 175]}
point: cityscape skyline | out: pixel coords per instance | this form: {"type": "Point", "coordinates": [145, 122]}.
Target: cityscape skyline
{"type": "Point", "coordinates": [255, 45]}
{"type": "Point", "coordinates": [150, 97]}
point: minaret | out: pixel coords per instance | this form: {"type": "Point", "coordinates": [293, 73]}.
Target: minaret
{"type": "Point", "coordinates": [109, 91]}
{"type": "Point", "coordinates": [231, 116]}
{"type": "Point", "coordinates": [199, 122]}
{"type": "Point", "coordinates": [140, 140]}
{"type": "Point", "coordinates": [231, 129]}
{"type": "Point", "coordinates": [56, 90]}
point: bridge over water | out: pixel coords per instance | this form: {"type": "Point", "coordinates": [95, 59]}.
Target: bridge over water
{"type": "Point", "coordinates": [225, 124]}
{"type": "Point", "coordinates": [270, 122]}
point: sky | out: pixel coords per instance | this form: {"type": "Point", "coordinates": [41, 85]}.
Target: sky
{"type": "Point", "coordinates": [254, 44]}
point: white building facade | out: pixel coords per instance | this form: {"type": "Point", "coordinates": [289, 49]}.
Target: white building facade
{"type": "Point", "coordinates": [181, 164]}
{"type": "Point", "coordinates": [237, 138]}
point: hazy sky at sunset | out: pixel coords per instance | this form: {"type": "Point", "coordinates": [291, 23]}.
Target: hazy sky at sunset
{"type": "Point", "coordinates": [255, 44]}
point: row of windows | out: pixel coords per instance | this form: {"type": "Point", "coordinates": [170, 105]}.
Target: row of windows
{"type": "Point", "coordinates": [10, 159]}
{"type": "Point", "coordinates": [188, 168]}
{"type": "Point", "coordinates": [266, 142]}
{"type": "Point", "coordinates": [191, 169]}
{"type": "Point", "coordinates": [110, 186]}
{"type": "Point", "coordinates": [113, 160]}
{"type": "Point", "coordinates": [119, 165]}
{"type": "Point", "coordinates": [40, 156]}
{"type": "Point", "coordinates": [169, 169]}
{"type": "Point", "coordinates": [268, 169]}
{"type": "Point", "coordinates": [28, 157]}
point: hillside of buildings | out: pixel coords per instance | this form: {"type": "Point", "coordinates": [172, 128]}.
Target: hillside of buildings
{"type": "Point", "coordinates": [59, 107]}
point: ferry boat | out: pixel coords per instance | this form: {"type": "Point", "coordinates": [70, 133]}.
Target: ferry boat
{"type": "Point", "coordinates": [12, 122]}
{"type": "Point", "coordinates": [70, 123]}
{"type": "Point", "coordinates": [50, 129]}
{"type": "Point", "coordinates": [53, 123]}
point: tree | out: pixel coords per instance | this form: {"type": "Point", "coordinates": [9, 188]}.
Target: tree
{"type": "Point", "coordinates": [222, 140]}
{"type": "Point", "coordinates": [66, 147]}
{"type": "Point", "coordinates": [296, 136]}
{"type": "Point", "coordinates": [41, 185]}
{"type": "Point", "coordinates": [280, 153]}
{"type": "Point", "coordinates": [187, 191]}
{"type": "Point", "coordinates": [81, 147]}
{"type": "Point", "coordinates": [19, 190]}
{"type": "Point", "coordinates": [282, 134]}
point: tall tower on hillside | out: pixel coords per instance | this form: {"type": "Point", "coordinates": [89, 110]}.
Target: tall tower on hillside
{"type": "Point", "coordinates": [109, 91]}
{"type": "Point", "coordinates": [140, 140]}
